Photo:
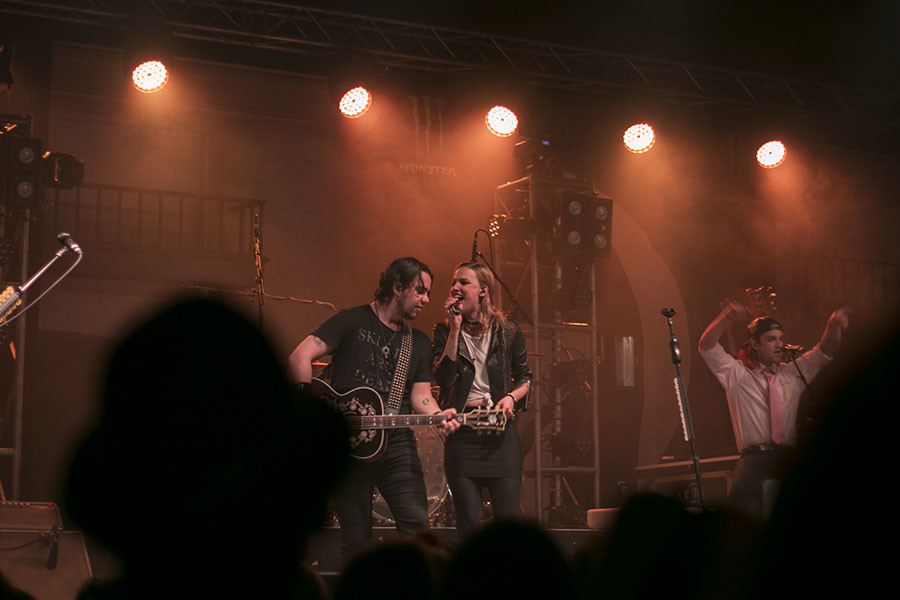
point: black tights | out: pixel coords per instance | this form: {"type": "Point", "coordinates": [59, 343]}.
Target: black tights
{"type": "Point", "coordinates": [505, 495]}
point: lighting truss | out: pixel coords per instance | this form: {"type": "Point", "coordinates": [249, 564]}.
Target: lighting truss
{"type": "Point", "coordinates": [286, 28]}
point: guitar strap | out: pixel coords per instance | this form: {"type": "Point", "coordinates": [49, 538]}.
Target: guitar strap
{"type": "Point", "coordinates": [399, 381]}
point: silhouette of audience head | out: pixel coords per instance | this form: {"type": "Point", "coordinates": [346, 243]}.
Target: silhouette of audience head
{"type": "Point", "coordinates": [206, 467]}
{"type": "Point", "coordinates": [657, 548]}
{"type": "Point", "coordinates": [403, 569]}
{"type": "Point", "coordinates": [510, 559]}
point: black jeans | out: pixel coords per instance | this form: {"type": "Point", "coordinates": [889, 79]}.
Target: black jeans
{"type": "Point", "coordinates": [505, 496]}
{"type": "Point", "coordinates": [398, 475]}
{"type": "Point", "coordinates": [750, 473]}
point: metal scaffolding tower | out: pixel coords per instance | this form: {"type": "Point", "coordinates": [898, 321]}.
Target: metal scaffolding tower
{"type": "Point", "coordinates": [546, 231]}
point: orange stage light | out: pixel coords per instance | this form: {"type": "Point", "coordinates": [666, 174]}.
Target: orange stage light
{"type": "Point", "coordinates": [355, 102]}
{"type": "Point", "coordinates": [150, 76]}
{"type": "Point", "coordinates": [501, 121]}
{"type": "Point", "coordinates": [771, 154]}
{"type": "Point", "coordinates": [639, 138]}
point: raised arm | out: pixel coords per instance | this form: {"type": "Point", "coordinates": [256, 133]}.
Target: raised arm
{"type": "Point", "coordinates": [454, 322]}
{"type": "Point", "coordinates": [714, 331]}
{"type": "Point", "coordinates": [834, 330]}
{"type": "Point", "coordinates": [301, 359]}
{"type": "Point", "coordinates": [444, 352]}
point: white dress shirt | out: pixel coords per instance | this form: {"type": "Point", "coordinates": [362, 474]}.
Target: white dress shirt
{"type": "Point", "coordinates": [748, 393]}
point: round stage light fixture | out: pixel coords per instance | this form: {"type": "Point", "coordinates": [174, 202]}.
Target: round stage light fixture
{"type": "Point", "coordinates": [639, 138]}
{"type": "Point", "coordinates": [771, 154]}
{"type": "Point", "coordinates": [150, 76]}
{"type": "Point", "coordinates": [501, 121]}
{"type": "Point", "coordinates": [355, 102]}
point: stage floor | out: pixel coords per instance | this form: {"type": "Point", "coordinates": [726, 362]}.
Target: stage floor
{"type": "Point", "coordinates": [324, 553]}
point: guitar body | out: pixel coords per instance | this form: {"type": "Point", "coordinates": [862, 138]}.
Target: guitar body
{"type": "Point", "coordinates": [363, 410]}
{"type": "Point", "coordinates": [365, 444]}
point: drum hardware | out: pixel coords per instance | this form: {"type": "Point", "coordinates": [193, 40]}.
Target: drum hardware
{"type": "Point", "coordinates": [431, 455]}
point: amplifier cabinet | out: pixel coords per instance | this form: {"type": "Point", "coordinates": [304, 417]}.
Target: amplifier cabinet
{"type": "Point", "coordinates": [37, 556]}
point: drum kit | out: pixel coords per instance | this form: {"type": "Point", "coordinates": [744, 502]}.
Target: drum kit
{"type": "Point", "coordinates": [431, 455]}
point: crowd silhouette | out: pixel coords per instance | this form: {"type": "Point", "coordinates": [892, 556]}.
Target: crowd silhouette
{"type": "Point", "coordinates": [206, 473]}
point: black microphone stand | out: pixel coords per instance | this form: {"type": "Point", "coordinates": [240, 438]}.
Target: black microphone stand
{"type": "Point", "coordinates": [257, 253]}
{"type": "Point", "coordinates": [811, 407]}
{"type": "Point", "coordinates": [793, 358]}
{"type": "Point", "coordinates": [15, 298]}
{"type": "Point", "coordinates": [686, 423]}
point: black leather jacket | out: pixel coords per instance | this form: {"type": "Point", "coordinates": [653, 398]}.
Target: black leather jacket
{"type": "Point", "coordinates": [507, 366]}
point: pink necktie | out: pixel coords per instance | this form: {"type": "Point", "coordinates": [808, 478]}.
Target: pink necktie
{"type": "Point", "coordinates": [776, 419]}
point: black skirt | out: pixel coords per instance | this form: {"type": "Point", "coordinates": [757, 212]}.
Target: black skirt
{"type": "Point", "coordinates": [470, 454]}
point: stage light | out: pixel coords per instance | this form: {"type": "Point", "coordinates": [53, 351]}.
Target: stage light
{"type": "Point", "coordinates": [20, 159]}
{"type": "Point", "coordinates": [771, 154]}
{"type": "Point", "coordinates": [148, 54]}
{"type": "Point", "coordinates": [355, 102]}
{"type": "Point", "coordinates": [585, 224]}
{"type": "Point", "coordinates": [9, 249]}
{"type": "Point", "coordinates": [639, 138]}
{"type": "Point", "coordinates": [501, 121]}
{"type": "Point", "coordinates": [150, 76]}
{"type": "Point", "coordinates": [61, 171]}
{"type": "Point", "coordinates": [495, 225]}
{"type": "Point", "coordinates": [518, 229]}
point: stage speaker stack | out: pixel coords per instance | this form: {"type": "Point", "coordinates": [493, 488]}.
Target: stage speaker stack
{"type": "Point", "coordinates": [37, 555]}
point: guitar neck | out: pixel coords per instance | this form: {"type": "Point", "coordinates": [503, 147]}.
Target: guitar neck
{"type": "Point", "coordinates": [395, 421]}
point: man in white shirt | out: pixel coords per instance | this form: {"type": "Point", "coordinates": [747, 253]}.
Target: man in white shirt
{"type": "Point", "coordinates": [763, 394]}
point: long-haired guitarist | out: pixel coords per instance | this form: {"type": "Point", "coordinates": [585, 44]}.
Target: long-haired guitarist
{"type": "Point", "coordinates": [365, 343]}
{"type": "Point", "coordinates": [480, 360]}
{"type": "Point", "coordinates": [763, 394]}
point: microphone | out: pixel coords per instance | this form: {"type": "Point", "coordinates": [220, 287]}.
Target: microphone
{"type": "Point", "coordinates": [792, 349]}
{"type": "Point", "coordinates": [668, 312]}
{"type": "Point", "coordinates": [66, 240]}
{"type": "Point", "coordinates": [454, 308]}
{"type": "Point", "coordinates": [475, 247]}
{"type": "Point", "coordinates": [52, 538]}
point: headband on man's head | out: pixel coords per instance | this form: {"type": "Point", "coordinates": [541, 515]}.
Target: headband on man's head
{"type": "Point", "coordinates": [761, 325]}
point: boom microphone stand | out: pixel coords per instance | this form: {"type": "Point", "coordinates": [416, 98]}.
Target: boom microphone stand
{"type": "Point", "coordinates": [13, 296]}
{"type": "Point", "coordinates": [684, 409]}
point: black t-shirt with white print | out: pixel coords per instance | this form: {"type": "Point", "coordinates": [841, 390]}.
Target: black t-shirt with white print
{"type": "Point", "coordinates": [365, 352]}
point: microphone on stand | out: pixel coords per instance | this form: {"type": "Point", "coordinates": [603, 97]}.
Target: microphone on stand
{"type": "Point", "coordinates": [66, 240]}
{"type": "Point", "coordinates": [475, 247]}
{"type": "Point", "coordinates": [668, 312]}
{"type": "Point", "coordinates": [792, 349]}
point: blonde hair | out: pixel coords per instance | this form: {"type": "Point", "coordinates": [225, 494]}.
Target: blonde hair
{"type": "Point", "coordinates": [488, 315]}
